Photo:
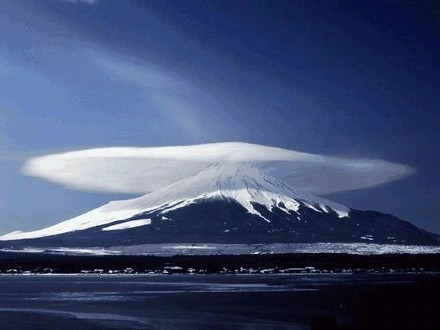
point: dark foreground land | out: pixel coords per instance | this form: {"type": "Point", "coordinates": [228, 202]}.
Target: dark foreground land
{"type": "Point", "coordinates": [275, 301]}
{"type": "Point", "coordinates": [19, 262]}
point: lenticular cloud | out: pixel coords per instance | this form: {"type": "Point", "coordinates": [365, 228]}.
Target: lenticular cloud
{"type": "Point", "coordinates": [142, 170]}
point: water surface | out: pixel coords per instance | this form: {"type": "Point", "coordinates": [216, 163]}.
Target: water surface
{"type": "Point", "coordinates": [309, 301]}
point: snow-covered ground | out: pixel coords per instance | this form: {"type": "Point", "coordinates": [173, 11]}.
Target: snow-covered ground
{"type": "Point", "coordinates": [208, 249]}
{"type": "Point", "coordinates": [234, 249]}
{"type": "Point", "coordinates": [128, 224]}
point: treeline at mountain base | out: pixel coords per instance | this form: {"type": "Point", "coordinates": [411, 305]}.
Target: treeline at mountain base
{"type": "Point", "coordinates": [21, 262]}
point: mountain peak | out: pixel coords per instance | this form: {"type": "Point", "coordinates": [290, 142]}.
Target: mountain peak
{"type": "Point", "coordinates": [242, 183]}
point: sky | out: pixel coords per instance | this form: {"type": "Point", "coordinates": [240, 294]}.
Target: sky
{"type": "Point", "coordinates": [339, 78]}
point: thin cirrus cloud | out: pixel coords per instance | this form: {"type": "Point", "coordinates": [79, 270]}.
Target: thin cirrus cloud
{"type": "Point", "coordinates": [142, 170]}
{"type": "Point", "coordinates": [169, 95]}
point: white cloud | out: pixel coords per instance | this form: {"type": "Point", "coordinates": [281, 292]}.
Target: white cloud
{"type": "Point", "coordinates": [142, 170]}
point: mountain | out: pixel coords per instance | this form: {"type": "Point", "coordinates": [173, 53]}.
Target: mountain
{"type": "Point", "coordinates": [225, 203]}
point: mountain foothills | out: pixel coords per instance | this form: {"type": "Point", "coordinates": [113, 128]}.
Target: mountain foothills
{"type": "Point", "coordinates": [226, 202]}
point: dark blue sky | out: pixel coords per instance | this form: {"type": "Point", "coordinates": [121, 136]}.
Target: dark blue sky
{"type": "Point", "coordinates": [339, 78]}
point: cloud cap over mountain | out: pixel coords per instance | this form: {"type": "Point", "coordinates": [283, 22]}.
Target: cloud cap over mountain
{"type": "Point", "coordinates": [142, 170]}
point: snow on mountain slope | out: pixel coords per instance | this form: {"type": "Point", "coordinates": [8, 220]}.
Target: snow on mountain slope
{"type": "Point", "coordinates": [128, 225]}
{"type": "Point", "coordinates": [228, 180]}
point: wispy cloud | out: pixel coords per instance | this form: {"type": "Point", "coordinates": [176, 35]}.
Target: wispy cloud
{"type": "Point", "coordinates": [169, 94]}
{"type": "Point", "coordinates": [140, 75]}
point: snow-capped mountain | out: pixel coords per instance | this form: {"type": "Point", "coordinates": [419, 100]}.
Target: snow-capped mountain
{"type": "Point", "coordinates": [226, 202]}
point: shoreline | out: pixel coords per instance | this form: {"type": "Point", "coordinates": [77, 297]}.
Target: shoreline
{"type": "Point", "coordinates": [302, 263]}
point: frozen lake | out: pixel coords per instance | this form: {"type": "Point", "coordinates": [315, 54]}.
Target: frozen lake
{"type": "Point", "coordinates": [306, 301]}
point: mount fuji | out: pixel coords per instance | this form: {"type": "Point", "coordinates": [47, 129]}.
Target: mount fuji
{"type": "Point", "coordinates": [227, 202]}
